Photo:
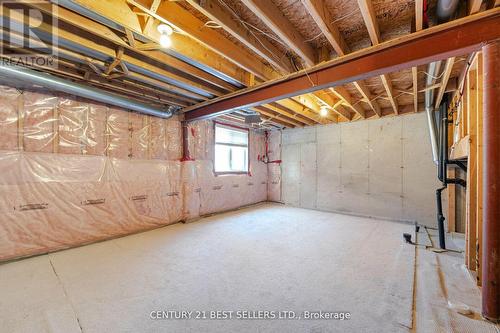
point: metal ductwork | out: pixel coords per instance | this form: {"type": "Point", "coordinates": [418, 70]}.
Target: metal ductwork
{"type": "Point", "coordinates": [29, 77]}
{"type": "Point", "coordinates": [432, 73]}
{"type": "Point", "coordinates": [445, 10]}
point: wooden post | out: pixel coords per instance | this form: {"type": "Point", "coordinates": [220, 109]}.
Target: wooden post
{"type": "Point", "coordinates": [491, 183]}
{"type": "Point", "coordinates": [479, 167]}
{"type": "Point", "coordinates": [470, 195]}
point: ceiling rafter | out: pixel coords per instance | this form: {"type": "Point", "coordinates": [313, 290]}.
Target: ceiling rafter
{"type": "Point", "coordinates": [289, 113]}
{"type": "Point", "coordinates": [419, 25]}
{"type": "Point", "coordinates": [278, 115]}
{"type": "Point", "coordinates": [444, 81]}
{"type": "Point", "coordinates": [324, 19]}
{"type": "Point", "coordinates": [98, 29]}
{"type": "Point", "coordinates": [183, 46]}
{"type": "Point", "coordinates": [345, 96]}
{"type": "Point", "coordinates": [182, 20]}
{"type": "Point", "coordinates": [367, 97]}
{"type": "Point", "coordinates": [261, 46]}
{"type": "Point", "coordinates": [371, 24]}
{"type": "Point", "coordinates": [273, 18]}
{"type": "Point", "coordinates": [76, 39]}
{"type": "Point", "coordinates": [326, 98]}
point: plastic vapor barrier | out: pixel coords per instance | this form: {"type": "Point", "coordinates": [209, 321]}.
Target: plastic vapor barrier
{"type": "Point", "coordinates": [74, 172]}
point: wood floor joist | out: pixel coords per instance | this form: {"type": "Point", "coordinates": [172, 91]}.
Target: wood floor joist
{"type": "Point", "coordinates": [467, 34]}
{"type": "Point", "coordinates": [183, 47]}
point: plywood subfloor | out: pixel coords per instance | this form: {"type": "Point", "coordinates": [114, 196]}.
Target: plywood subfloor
{"type": "Point", "coordinates": [268, 257]}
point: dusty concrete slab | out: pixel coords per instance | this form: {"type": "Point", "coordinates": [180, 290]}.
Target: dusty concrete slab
{"type": "Point", "coordinates": [269, 257]}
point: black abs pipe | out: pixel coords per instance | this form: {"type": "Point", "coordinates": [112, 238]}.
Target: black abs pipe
{"type": "Point", "coordinates": [443, 168]}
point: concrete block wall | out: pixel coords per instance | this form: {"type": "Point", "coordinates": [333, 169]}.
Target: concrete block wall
{"type": "Point", "coordinates": [381, 168]}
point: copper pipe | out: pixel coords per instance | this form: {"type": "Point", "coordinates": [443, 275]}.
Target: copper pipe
{"type": "Point", "coordinates": [491, 183]}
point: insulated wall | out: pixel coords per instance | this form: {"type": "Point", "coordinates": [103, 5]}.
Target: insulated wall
{"type": "Point", "coordinates": [74, 172]}
{"type": "Point", "coordinates": [381, 168]}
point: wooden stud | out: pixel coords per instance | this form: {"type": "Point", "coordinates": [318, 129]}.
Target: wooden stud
{"type": "Point", "coordinates": [415, 88]}
{"type": "Point", "coordinates": [471, 191]}
{"type": "Point", "coordinates": [479, 166]}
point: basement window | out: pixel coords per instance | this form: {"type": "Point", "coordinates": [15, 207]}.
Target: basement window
{"type": "Point", "coordinates": [231, 149]}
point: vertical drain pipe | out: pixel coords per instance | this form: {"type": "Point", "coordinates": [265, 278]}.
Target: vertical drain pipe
{"type": "Point", "coordinates": [445, 10]}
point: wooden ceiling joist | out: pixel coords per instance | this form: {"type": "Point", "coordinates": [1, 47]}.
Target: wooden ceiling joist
{"type": "Point", "coordinates": [227, 20]}
{"type": "Point", "coordinates": [444, 80]}
{"type": "Point", "coordinates": [273, 18]}
{"type": "Point", "coordinates": [332, 104]}
{"type": "Point", "coordinates": [345, 96]}
{"type": "Point", "coordinates": [270, 113]}
{"type": "Point", "coordinates": [79, 42]}
{"type": "Point", "coordinates": [419, 48]}
{"type": "Point", "coordinates": [183, 47]}
{"type": "Point", "coordinates": [371, 24]}
{"type": "Point", "coordinates": [279, 109]}
{"type": "Point", "coordinates": [367, 97]}
{"type": "Point", "coordinates": [324, 21]}
{"type": "Point", "coordinates": [415, 88]}
{"type": "Point", "coordinates": [292, 106]}
{"type": "Point", "coordinates": [386, 81]}
{"type": "Point", "coordinates": [174, 15]}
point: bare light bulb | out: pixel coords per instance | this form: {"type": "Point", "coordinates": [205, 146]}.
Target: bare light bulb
{"type": "Point", "coordinates": [165, 41]}
{"type": "Point", "coordinates": [165, 29]}
{"type": "Point", "coordinates": [323, 112]}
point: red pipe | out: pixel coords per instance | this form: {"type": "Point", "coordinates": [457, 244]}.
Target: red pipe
{"type": "Point", "coordinates": [491, 183]}
{"type": "Point", "coordinates": [185, 143]}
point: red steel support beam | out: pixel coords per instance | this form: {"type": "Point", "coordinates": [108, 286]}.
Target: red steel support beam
{"type": "Point", "coordinates": [491, 182]}
{"type": "Point", "coordinates": [451, 39]}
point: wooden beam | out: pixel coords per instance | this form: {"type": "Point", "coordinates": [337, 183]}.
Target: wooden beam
{"type": "Point", "coordinates": [444, 81]}
{"type": "Point", "coordinates": [277, 108]}
{"type": "Point", "coordinates": [368, 98]}
{"type": "Point", "coordinates": [180, 84]}
{"type": "Point", "coordinates": [370, 19]}
{"type": "Point", "coordinates": [346, 98]}
{"type": "Point", "coordinates": [214, 10]}
{"type": "Point", "coordinates": [150, 20]}
{"type": "Point", "coordinates": [415, 87]}
{"type": "Point", "coordinates": [386, 81]}
{"type": "Point", "coordinates": [182, 20]}
{"type": "Point", "coordinates": [332, 104]}
{"type": "Point", "coordinates": [479, 166]}
{"type": "Point", "coordinates": [294, 106]}
{"type": "Point", "coordinates": [324, 21]}
{"type": "Point", "coordinates": [471, 191]}
{"type": "Point", "coordinates": [120, 13]}
{"type": "Point", "coordinates": [419, 15]}
{"type": "Point", "coordinates": [98, 29]}
{"type": "Point", "coordinates": [473, 6]}
{"type": "Point", "coordinates": [310, 102]}
{"type": "Point", "coordinates": [263, 110]}
{"type": "Point", "coordinates": [277, 117]}
{"type": "Point", "coordinates": [419, 48]}
{"type": "Point", "coordinates": [274, 19]}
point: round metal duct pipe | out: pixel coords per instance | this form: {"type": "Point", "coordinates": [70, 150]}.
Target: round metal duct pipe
{"type": "Point", "coordinates": [32, 77]}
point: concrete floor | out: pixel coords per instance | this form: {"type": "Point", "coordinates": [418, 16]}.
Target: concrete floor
{"type": "Point", "coordinates": [266, 257]}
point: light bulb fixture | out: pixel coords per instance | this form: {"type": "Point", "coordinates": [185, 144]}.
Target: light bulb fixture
{"type": "Point", "coordinates": [165, 41]}
{"type": "Point", "coordinates": [323, 112]}
{"type": "Point", "coordinates": [165, 29]}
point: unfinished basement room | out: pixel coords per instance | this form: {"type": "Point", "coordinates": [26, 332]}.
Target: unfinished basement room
{"type": "Point", "coordinates": [250, 166]}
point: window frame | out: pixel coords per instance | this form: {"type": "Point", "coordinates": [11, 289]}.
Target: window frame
{"type": "Point", "coordinates": [240, 129]}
